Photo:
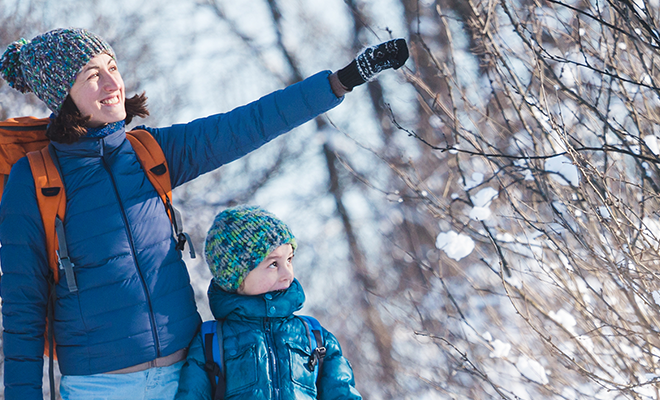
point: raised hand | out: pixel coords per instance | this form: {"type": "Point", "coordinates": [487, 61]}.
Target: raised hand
{"type": "Point", "coordinates": [391, 54]}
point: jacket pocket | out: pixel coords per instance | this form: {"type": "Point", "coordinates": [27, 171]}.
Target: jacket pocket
{"type": "Point", "coordinates": [241, 369]}
{"type": "Point", "coordinates": [301, 374]}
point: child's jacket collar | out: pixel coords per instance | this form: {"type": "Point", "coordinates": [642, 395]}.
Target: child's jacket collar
{"type": "Point", "coordinates": [278, 304]}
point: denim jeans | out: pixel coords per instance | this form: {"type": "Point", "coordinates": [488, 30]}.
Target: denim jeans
{"type": "Point", "coordinates": [160, 383]}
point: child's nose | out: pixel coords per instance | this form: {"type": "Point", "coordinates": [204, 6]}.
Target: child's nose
{"type": "Point", "coordinates": [286, 274]}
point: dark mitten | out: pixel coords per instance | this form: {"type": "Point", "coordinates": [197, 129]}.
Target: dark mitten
{"type": "Point", "coordinates": [392, 54]}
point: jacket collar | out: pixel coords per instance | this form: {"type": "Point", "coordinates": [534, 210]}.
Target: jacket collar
{"type": "Point", "coordinates": [93, 146]}
{"type": "Point", "coordinates": [272, 304]}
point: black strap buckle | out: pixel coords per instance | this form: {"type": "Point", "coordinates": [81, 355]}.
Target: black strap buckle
{"type": "Point", "coordinates": [316, 356]}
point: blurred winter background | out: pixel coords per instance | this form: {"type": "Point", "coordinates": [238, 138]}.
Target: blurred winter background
{"type": "Point", "coordinates": [480, 224]}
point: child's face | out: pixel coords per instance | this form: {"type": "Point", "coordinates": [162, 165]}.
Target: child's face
{"type": "Point", "coordinates": [275, 272]}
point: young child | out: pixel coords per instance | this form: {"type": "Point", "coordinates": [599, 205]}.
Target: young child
{"type": "Point", "coordinates": [254, 293]}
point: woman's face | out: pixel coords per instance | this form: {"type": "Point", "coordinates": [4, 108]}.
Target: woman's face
{"type": "Point", "coordinates": [99, 92]}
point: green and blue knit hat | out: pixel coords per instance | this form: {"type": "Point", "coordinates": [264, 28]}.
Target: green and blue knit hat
{"type": "Point", "coordinates": [239, 239]}
{"type": "Point", "coordinates": [48, 64]}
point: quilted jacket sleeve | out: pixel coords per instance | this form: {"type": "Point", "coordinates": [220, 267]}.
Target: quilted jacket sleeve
{"type": "Point", "coordinates": [24, 286]}
{"type": "Point", "coordinates": [336, 380]}
{"type": "Point", "coordinates": [194, 383]}
{"type": "Point", "coordinates": [205, 144]}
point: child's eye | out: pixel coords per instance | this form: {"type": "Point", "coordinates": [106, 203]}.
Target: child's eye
{"type": "Point", "coordinates": [273, 265]}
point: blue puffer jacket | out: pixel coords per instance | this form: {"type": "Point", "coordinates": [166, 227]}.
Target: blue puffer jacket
{"type": "Point", "coordinates": [135, 302]}
{"type": "Point", "coordinates": [266, 351]}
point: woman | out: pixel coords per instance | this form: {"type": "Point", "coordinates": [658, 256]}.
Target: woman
{"type": "Point", "coordinates": [124, 332]}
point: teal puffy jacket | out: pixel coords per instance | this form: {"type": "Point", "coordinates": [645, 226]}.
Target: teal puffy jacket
{"type": "Point", "coordinates": [266, 348]}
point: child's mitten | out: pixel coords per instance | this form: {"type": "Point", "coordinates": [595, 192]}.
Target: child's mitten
{"type": "Point", "coordinates": [392, 54]}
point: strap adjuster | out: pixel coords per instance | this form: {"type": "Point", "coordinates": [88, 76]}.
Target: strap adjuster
{"type": "Point", "coordinates": [316, 356]}
{"type": "Point", "coordinates": [63, 259]}
{"type": "Point", "coordinates": [179, 235]}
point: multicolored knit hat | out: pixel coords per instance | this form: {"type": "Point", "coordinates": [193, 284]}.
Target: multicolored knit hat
{"type": "Point", "coordinates": [239, 239]}
{"type": "Point", "coordinates": [48, 64]}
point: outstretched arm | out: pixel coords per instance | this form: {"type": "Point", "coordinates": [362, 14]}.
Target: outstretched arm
{"type": "Point", "coordinates": [207, 143]}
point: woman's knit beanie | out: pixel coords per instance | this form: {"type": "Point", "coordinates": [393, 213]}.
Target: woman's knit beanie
{"type": "Point", "coordinates": [239, 239]}
{"type": "Point", "coordinates": [48, 64]}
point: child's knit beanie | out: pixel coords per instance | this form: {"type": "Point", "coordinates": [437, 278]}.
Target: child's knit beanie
{"type": "Point", "coordinates": [48, 64]}
{"type": "Point", "coordinates": [239, 239]}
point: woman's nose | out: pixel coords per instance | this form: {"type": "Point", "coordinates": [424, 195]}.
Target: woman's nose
{"type": "Point", "coordinates": [111, 83]}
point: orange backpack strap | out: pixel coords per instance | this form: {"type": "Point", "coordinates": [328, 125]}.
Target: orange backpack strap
{"type": "Point", "coordinates": [51, 200]}
{"type": "Point", "coordinates": [153, 161]}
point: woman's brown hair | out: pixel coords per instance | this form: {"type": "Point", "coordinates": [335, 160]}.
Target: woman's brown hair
{"type": "Point", "coordinates": [69, 125]}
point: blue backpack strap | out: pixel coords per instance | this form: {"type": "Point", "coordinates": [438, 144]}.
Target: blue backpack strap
{"type": "Point", "coordinates": [212, 341]}
{"type": "Point", "coordinates": [316, 343]}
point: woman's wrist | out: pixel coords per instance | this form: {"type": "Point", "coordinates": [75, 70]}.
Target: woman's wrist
{"type": "Point", "coordinates": [337, 88]}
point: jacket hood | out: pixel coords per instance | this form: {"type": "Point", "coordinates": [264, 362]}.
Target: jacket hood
{"type": "Point", "coordinates": [279, 304]}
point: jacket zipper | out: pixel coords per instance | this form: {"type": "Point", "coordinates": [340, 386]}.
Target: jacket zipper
{"type": "Point", "coordinates": [271, 359]}
{"type": "Point", "coordinates": [133, 251]}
